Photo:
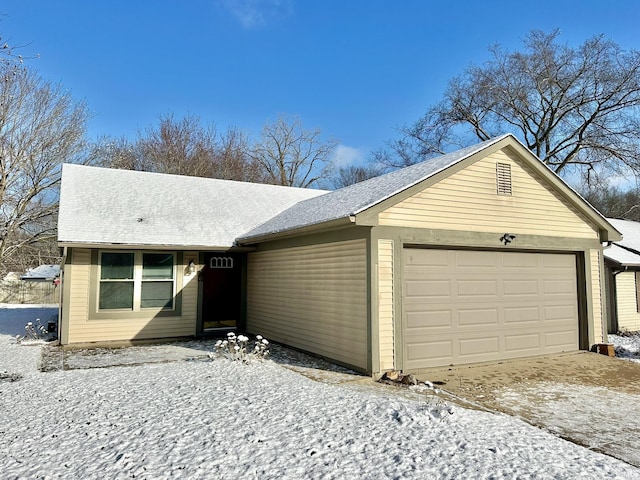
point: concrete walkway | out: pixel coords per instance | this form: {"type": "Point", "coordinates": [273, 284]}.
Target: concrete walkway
{"type": "Point", "coordinates": [590, 399]}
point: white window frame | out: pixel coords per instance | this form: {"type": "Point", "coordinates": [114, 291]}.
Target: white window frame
{"type": "Point", "coordinates": [138, 280]}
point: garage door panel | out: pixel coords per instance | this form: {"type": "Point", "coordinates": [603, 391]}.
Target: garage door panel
{"type": "Point", "coordinates": [558, 262]}
{"type": "Point", "coordinates": [486, 317]}
{"type": "Point", "coordinates": [556, 287]}
{"type": "Point", "coordinates": [428, 320]}
{"type": "Point", "coordinates": [559, 313]}
{"type": "Point", "coordinates": [476, 288]}
{"type": "Point", "coordinates": [529, 343]}
{"type": "Point", "coordinates": [471, 258]}
{"type": "Point", "coordinates": [521, 315]}
{"type": "Point", "coordinates": [528, 288]}
{"type": "Point", "coordinates": [430, 289]}
{"type": "Point", "coordinates": [431, 258]}
{"type": "Point", "coordinates": [471, 348]}
{"type": "Point", "coordinates": [502, 305]}
{"type": "Point", "coordinates": [559, 338]}
{"type": "Point", "coordinates": [519, 261]}
{"type": "Point", "coordinates": [435, 351]}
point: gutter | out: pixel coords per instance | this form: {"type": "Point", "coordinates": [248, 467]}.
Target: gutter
{"type": "Point", "coordinates": [147, 246]}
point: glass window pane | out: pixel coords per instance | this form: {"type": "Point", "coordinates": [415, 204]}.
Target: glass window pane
{"type": "Point", "coordinates": [157, 265]}
{"type": "Point", "coordinates": [156, 294]}
{"type": "Point", "coordinates": [116, 266]}
{"type": "Point", "coordinates": [116, 295]}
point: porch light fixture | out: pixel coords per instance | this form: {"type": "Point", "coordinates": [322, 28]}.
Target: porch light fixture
{"type": "Point", "coordinates": [191, 267]}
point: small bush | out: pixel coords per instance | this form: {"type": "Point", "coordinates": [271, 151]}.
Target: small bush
{"type": "Point", "coordinates": [33, 332]}
{"type": "Point", "coordinates": [236, 348]}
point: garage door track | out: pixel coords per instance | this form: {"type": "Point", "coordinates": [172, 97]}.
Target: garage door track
{"type": "Point", "coordinates": [590, 399]}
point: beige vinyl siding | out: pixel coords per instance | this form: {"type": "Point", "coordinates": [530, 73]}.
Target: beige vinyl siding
{"type": "Point", "coordinates": [385, 304]}
{"type": "Point", "coordinates": [82, 329]}
{"type": "Point", "coordinates": [596, 291]}
{"type": "Point", "coordinates": [313, 298]}
{"type": "Point", "coordinates": [628, 316]}
{"type": "Point", "coordinates": [468, 200]}
{"type": "Point", "coordinates": [79, 278]}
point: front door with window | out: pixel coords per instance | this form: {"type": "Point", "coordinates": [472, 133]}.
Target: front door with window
{"type": "Point", "coordinates": [221, 279]}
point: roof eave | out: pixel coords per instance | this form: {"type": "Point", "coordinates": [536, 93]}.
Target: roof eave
{"type": "Point", "coordinates": [305, 230]}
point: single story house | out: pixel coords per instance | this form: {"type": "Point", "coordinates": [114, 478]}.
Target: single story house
{"type": "Point", "coordinates": [481, 254]}
{"type": "Point", "coordinates": [622, 278]}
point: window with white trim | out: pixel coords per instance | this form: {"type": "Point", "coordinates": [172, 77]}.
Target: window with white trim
{"type": "Point", "coordinates": [136, 281]}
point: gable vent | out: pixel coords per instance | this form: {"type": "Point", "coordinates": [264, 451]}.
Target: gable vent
{"type": "Point", "coordinates": [503, 179]}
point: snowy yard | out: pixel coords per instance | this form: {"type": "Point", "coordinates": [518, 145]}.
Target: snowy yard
{"type": "Point", "coordinates": [219, 419]}
{"type": "Point", "coordinates": [627, 346]}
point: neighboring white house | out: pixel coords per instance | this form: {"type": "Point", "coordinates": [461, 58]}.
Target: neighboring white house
{"type": "Point", "coordinates": [42, 273]}
{"type": "Point", "coordinates": [622, 278]}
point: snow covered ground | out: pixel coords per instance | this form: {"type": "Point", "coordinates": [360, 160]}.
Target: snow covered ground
{"type": "Point", "coordinates": [219, 419]}
{"type": "Point", "coordinates": [627, 346]}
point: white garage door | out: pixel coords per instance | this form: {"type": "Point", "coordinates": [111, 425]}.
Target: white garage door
{"type": "Point", "coordinates": [465, 306]}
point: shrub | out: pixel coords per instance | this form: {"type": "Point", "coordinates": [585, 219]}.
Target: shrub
{"type": "Point", "coordinates": [236, 348]}
{"type": "Point", "coordinates": [33, 332]}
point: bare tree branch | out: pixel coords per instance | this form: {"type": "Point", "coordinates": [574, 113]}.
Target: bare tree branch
{"type": "Point", "coordinates": [573, 107]}
{"type": "Point", "coordinates": [182, 147]}
{"type": "Point", "coordinates": [40, 127]}
{"type": "Point", "coordinates": [291, 155]}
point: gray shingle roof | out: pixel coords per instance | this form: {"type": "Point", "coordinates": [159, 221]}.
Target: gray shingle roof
{"type": "Point", "coordinates": [361, 196]}
{"type": "Point", "coordinates": [630, 233]}
{"type": "Point", "coordinates": [108, 206]}
{"type": "Point", "coordinates": [625, 251]}
{"type": "Point", "coordinates": [622, 256]}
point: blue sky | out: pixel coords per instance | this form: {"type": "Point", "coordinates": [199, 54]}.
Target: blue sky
{"type": "Point", "coordinates": [355, 69]}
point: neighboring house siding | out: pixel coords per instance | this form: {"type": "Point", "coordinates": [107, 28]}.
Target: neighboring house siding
{"type": "Point", "coordinates": [385, 304]}
{"type": "Point", "coordinates": [628, 316]}
{"type": "Point", "coordinates": [313, 298]}
{"type": "Point", "coordinates": [82, 328]}
{"type": "Point", "coordinates": [468, 200]}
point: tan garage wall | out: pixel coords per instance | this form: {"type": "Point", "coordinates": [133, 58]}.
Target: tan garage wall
{"type": "Point", "coordinates": [628, 316]}
{"type": "Point", "coordinates": [78, 327]}
{"type": "Point", "coordinates": [313, 298]}
{"type": "Point", "coordinates": [467, 200]}
{"type": "Point", "coordinates": [385, 305]}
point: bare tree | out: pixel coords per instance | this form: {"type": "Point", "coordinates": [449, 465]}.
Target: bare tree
{"type": "Point", "coordinates": [9, 50]}
{"type": "Point", "coordinates": [234, 161]}
{"type": "Point", "coordinates": [355, 174]}
{"type": "Point", "coordinates": [613, 201]}
{"type": "Point", "coordinates": [182, 147]}
{"type": "Point", "coordinates": [575, 108]}
{"type": "Point", "coordinates": [41, 126]}
{"type": "Point", "coordinates": [291, 155]}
